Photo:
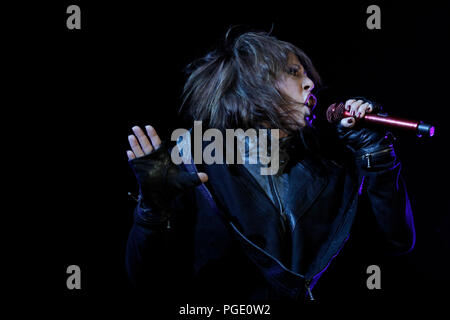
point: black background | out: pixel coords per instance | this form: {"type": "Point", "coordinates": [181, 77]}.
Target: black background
{"type": "Point", "coordinates": [76, 94]}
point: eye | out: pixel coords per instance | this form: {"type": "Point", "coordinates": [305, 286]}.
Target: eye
{"type": "Point", "coordinates": [293, 71]}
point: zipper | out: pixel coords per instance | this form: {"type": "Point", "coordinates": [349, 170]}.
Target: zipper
{"type": "Point", "coordinates": [368, 156]}
{"type": "Point", "coordinates": [308, 282]}
{"type": "Point", "coordinates": [283, 214]}
{"type": "Point", "coordinates": [308, 289]}
{"type": "Point", "coordinates": [275, 190]}
{"type": "Point", "coordinates": [258, 186]}
{"type": "Point", "coordinates": [284, 219]}
{"type": "Point", "coordinates": [133, 197]}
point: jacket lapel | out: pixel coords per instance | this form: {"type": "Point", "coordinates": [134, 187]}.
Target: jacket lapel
{"type": "Point", "coordinates": [305, 186]}
{"type": "Point", "coordinates": [249, 208]}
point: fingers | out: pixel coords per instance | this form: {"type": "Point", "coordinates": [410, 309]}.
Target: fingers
{"type": "Point", "coordinates": [135, 147]}
{"type": "Point", "coordinates": [203, 177]}
{"type": "Point", "coordinates": [154, 138]}
{"type": "Point", "coordinates": [353, 105]}
{"type": "Point", "coordinates": [186, 180]}
{"type": "Point", "coordinates": [140, 143]}
{"type": "Point", "coordinates": [348, 122]}
{"type": "Point", "coordinates": [348, 104]}
{"type": "Point", "coordinates": [143, 140]}
{"type": "Point", "coordinates": [357, 108]}
{"type": "Point", "coordinates": [363, 109]}
{"type": "Point", "coordinates": [130, 155]}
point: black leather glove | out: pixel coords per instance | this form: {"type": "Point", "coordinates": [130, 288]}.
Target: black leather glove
{"type": "Point", "coordinates": [373, 148]}
{"type": "Point", "coordinates": [160, 180]}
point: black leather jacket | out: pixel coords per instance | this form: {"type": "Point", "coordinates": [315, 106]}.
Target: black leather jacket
{"type": "Point", "coordinates": [228, 238]}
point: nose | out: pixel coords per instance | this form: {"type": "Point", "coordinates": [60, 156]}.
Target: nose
{"type": "Point", "coordinates": [307, 84]}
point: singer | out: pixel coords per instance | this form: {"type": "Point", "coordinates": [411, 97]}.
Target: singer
{"type": "Point", "coordinates": [223, 231]}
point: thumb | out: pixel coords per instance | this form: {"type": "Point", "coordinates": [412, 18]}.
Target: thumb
{"type": "Point", "coordinates": [203, 176]}
{"type": "Point", "coordinates": [348, 122]}
{"type": "Point", "coordinates": [194, 179]}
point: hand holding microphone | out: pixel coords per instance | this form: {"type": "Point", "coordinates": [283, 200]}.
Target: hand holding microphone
{"type": "Point", "coordinates": [373, 149]}
{"type": "Point", "coordinates": [359, 108]}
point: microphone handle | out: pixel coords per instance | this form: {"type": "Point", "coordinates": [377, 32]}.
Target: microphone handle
{"type": "Point", "coordinates": [395, 122]}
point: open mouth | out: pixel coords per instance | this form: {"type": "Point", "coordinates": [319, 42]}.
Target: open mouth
{"type": "Point", "coordinates": [311, 101]}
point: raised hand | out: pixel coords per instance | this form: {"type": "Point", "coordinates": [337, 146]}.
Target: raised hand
{"type": "Point", "coordinates": [160, 180]}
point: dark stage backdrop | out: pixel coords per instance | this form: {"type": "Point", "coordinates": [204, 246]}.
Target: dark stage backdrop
{"type": "Point", "coordinates": [77, 93]}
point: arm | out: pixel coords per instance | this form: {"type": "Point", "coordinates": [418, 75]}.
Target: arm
{"type": "Point", "coordinates": [146, 245]}
{"type": "Point", "coordinates": [379, 169]}
{"type": "Point", "coordinates": [164, 193]}
{"type": "Point", "coordinates": [388, 198]}
{"type": "Point", "coordinates": [158, 254]}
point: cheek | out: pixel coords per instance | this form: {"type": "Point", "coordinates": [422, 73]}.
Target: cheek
{"type": "Point", "coordinates": [293, 89]}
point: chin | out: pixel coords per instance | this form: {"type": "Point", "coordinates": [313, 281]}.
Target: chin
{"type": "Point", "coordinates": [301, 123]}
{"type": "Point", "coordinates": [301, 120]}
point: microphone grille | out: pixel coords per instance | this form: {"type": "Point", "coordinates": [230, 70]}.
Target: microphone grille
{"type": "Point", "coordinates": [335, 112]}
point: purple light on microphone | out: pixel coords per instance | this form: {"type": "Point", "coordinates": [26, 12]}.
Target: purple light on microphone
{"type": "Point", "coordinates": [431, 131]}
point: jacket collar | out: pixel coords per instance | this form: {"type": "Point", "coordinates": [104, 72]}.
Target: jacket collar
{"type": "Point", "coordinates": [246, 204]}
{"type": "Point", "coordinates": [290, 150]}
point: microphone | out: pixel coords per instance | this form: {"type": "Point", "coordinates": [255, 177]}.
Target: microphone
{"type": "Point", "coordinates": [336, 112]}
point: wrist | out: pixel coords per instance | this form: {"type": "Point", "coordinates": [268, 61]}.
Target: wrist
{"type": "Point", "coordinates": [148, 216]}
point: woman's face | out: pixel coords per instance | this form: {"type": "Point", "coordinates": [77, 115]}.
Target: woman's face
{"type": "Point", "coordinates": [296, 84]}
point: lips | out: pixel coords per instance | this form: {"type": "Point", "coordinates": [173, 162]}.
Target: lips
{"type": "Point", "coordinates": [311, 101]}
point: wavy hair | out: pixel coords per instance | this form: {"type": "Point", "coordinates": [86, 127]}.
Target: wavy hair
{"type": "Point", "coordinates": [234, 86]}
